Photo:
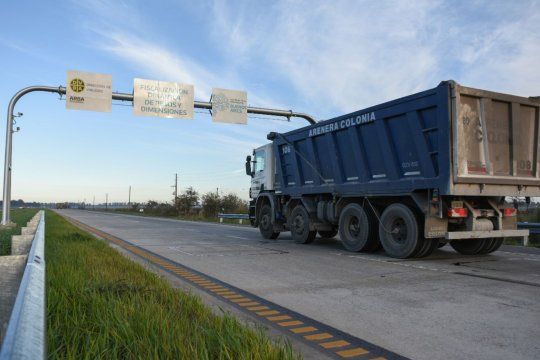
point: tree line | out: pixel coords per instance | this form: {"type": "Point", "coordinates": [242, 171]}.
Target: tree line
{"type": "Point", "coordinates": [190, 202]}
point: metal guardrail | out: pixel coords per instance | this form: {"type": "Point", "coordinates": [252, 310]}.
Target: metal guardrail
{"type": "Point", "coordinates": [534, 228]}
{"type": "Point", "coordinates": [239, 217]}
{"type": "Point", "coordinates": [25, 335]}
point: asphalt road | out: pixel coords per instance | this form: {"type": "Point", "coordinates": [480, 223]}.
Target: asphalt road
{"type": "Point", "coordinates": [447, 306]}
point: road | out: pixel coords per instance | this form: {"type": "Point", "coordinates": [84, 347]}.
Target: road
{"type": "Point", "coordinates": [447, 306]}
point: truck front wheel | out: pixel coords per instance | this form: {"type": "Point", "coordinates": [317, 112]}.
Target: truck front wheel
{"type": "Point", "coordinates": [399, 232]}
{"type": "Point", "coordinates": [265, 223]}
{"type": "Point", "coordinates": [299, 225]}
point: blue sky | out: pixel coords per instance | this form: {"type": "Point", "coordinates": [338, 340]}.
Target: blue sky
{"type": "Point", "coordinates": [323, 58]}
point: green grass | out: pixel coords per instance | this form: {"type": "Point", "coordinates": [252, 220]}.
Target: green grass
{"type": "Point", "coordinates": [103, 305]}
{"type": "Point", "coordinates": [19, 217]}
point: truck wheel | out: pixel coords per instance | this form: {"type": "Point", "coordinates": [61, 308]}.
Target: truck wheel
{"type": "Point", "coordinates": [299, 225]}
{"type": "Point", "coordinates": [428, 248]}
{"type": "Point", "coordinates": [469, 247]}
{"type": "Point", "coordinates": [265, 223]}
{"type": "Point", "coordinates": [328, 234]}
{"type": "Point", "coordinates": [354, 227]}
{"type": "Point", "coordinates": [493, 245]}
{"type": "Point", "coordinates": [398, 231]}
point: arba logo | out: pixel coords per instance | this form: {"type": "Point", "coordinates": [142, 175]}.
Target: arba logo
{"type": "Point", "coordinates": [76, 85]}
{"type": "Point", "coordinates": [76, 99]}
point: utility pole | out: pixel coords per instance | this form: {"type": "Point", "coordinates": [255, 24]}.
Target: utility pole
{"type": "Point", "coordinates": [129, 196]}
{"type": "Point", "coordinates": [106, 201]}
{"type": "Point", "coordinates": [94, 203]}
{"type": "Point", "coordinates": [175, 186]}
{"type": "Point", "coordinates": [217, 191]}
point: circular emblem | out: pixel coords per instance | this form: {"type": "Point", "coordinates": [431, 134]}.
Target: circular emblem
{"type": "Point", "coordinates": [76, 85]}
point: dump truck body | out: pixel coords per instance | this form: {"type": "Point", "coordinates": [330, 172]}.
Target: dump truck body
{"type": "Point", "coordinates": [446, 158]}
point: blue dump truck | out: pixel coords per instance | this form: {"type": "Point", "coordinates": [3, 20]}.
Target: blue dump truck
{"type": "Point", "coordinates": [441, 166]}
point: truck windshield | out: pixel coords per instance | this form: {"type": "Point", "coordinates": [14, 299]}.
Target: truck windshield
{"type": "Point", "coordinates": [259, 161]}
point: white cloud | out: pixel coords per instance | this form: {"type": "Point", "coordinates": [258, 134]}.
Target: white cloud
{"type": "Point", "coordinates": [341, 56]}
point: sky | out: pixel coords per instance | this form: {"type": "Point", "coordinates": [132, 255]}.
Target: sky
{"type": "Point", "coordinates": [324, 58]}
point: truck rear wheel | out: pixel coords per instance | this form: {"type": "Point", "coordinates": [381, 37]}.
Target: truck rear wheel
{"type": "Point", "coordinates": [492, 245]}
{"type": "Point", "coordinates": [428, 248]}
{"type": "Point", "coordinates": [399, 232]}
{"type": "Point", "coordinates": [354, 228]}
{"type": "Point", "coordinates": [265, 223]}
{"type": "Point", "coordinates": [470, 247]}
{"type": "Point", "coordinates": [299, 225]}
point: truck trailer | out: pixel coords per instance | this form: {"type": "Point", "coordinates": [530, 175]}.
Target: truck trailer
{"type": "Point", "coordinates": [441, 166]}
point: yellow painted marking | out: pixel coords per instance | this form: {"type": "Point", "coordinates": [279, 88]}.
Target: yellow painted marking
{"type": "Point", "coordinates": [236, 296]}
{"type": "Point", "coordinates": [352, 352]}
{"type": "Point", "coordinates": [321, 336]}
{"type": "Point", "coordinates": [269, 312]}
{"type": "Point", "coordinates": [257, 308]}
{"type": "Point", "coordinates": [214, 287]}
{"type": "Point", "coordinates": [241, 300]}
{"type": "Point", "coordinates": [226, 292]}
{"type": "Point", "coordinates": [379, 358]}
{"type": "Point", "coordinates": [218, 290]}
{"type": "Point", "coordinates": [290, 323]}
{"type": "Point", "coordinates": [279, 318]}
{"type": "Point", "coordinates": [305, 329]}
{"type": "Point", "coordinates": [202, 282]}
{"type": "Point", "coordinates": [252, 303]}
{"type": "Point", "coordinates": [334, 344]}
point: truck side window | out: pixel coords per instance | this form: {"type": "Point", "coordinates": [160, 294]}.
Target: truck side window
{"type": "Point", "coordinates": [259, 158]}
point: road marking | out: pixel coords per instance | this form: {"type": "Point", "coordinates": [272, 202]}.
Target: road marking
{"type": "Point", "coordinates": [279, 318]}
{"type": "Point", "coordinates": [237, 237]}
{"type": "Point", "coordinates": [257, 308]}
{"type": "Point", "coordinates": [253, 303]}
{"type": "Point", "coordinates": [352, 352]}
{"type": "Point", "coordinates": [290, 323]}
{"type": "Point", "coordinates": [230, 297]}
{"type": "Point", "coordinates": [240, 300]}
{"type": "Point", "coordinates": [334, 344]}
{"type": "Point", "coordinates": [321, 336]}
{"type": "Point", "coordinates": [304, 329]}
{"type": "Point", "coordinates": [268, 312]}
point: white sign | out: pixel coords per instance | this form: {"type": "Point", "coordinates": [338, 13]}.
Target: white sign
{"type": "Point", "coordinates": [88, 91]}
{"type": "Point", "coordinates": [229, 106]}
{"type": "Point", "coordinates": [163, 99]}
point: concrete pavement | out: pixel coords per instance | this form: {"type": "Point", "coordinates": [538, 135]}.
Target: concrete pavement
{"type": "Point", "coordinates": [447, 306]}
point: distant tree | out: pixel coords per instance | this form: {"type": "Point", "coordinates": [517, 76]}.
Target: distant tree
{"type": "Point", "coordinates": [187, 200]}
{"type": "Point", "coordinates": [151, 204]}
{"type": "Point", "coordinates": [211, 203]}
{"type": "Point", "coordinates": [231, 203]}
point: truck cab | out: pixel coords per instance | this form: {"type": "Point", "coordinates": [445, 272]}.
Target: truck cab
{"type": "Point", "coordinates": [261, 168]}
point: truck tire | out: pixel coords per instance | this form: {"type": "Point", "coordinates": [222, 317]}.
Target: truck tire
{"type": "Point", "coordinates": [470, 246]}
{"type": "Point", "coordinates": [265, 223]}
{"type": "Point", "coordinates": [354, 228]}
{"type": "Point", "coordinates": [328, 234]}
{"type": "Point", "coordinates": [399, 232]}
{"type": "Point", "coordinates": [428, 248]}
{"type": "Point", "coordinates": [299, 225]}
{"type": "Point", "coordinates": [493, 245]}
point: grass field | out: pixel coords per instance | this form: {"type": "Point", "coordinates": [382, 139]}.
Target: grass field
{"type": "Point", "coordinates": [19, 217]}
{"type": "Point", "coordinates": [102, 305]}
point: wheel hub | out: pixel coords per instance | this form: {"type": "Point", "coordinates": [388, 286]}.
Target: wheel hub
{"type": "Point", "coordinates": [399, 230]}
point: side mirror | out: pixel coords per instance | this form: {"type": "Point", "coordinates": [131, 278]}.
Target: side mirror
{"type": "Point", "coordinates": [248, 166]}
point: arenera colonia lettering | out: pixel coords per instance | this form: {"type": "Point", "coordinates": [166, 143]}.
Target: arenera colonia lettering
{"type": "Point", "coordinates": [342, 124]}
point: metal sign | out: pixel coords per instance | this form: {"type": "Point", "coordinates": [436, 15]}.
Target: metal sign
{"type": "Point", "coordinates": [229, 106]}
{"type": "Point", "coordinates": [88, 91]}
{"type": "Point", "coordinates": [163, 99]}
